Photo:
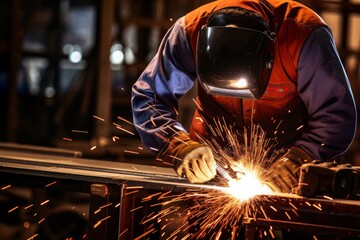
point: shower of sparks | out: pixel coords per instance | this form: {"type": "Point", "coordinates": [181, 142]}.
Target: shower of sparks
{"type": "Point", "coordinates": [146, 233]}
{"type": "Point", "coordinates": [122, 233]}
{"type": "Point", "coordinates": [98, 118]}
{"type": "Point", "coordinates": [272, 234]}
{"type": "Point", "coordinates": [33, 237]}
{"type": "Point", "coordinates": [327, 197]}
{"type": "Point", "coordinates": [102, 207]}
{"type": "Point", "coordinates": [300, 127]}
{"type": "Point", "coordinates": [221, 208]}
{"type": "Point", "coordinates": [197, 104]}
{"type": "Point", "coordinates": [101, 221]}
{"type": "Point", "coordinates": [134, 209]}
{"type": "Point", "coordinates": [29, 206]}
{"type": "Point", "coordinates": [45, 202]}
{"type": "Point", "coordinates": [125, 130]}
{"type": "Point", "coordinates": [13, 209]}
{"type": "Point", "coordinates": [41, 220]}
{"type": "Point", "coordinates": [79, 131]}
{"type": "Point", "coordinates": [248, 160]}
{"type": "Point", "coordinates": [152, 121]}
{"type": "Point", "coordinates": [129, 193]}
{"type": "Point", "coordinates": [132, 152]}
{"type": "Point", "coordinates": [317, 206]}
{"type": "Point", "coordinates": [247, 187]}
{"type": "Point", "coordinates": [50, 184]}
{"type": "Point", "coordinates": [293, 206]}
{"type": "Point", "coordinates": [154, 149]}
{"type": "Point", "coordinates": [124, 120]}
{"type": "Point", "coordinates": [6, 187]}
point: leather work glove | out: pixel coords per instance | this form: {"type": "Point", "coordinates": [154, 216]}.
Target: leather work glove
{"type": "Point", "coordinates": [190, 159]}
{"type": "Point", "coordinates": [285, 172]}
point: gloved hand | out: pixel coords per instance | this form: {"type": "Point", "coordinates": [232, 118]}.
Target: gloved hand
{"type": "Point", "coordinates": [190, 159]}
{"type": "Point", "coordinates": [285, 172]}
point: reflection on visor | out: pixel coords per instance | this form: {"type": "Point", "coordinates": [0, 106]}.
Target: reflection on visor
{"type": "Point", "coordinates": [240, 83]}
{"type": "Point", "coordinates": [228, 83]}
{"type": "Point", "coordinates": [245, 93]}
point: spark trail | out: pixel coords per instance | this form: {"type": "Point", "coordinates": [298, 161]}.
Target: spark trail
{"type": "Point", "coordinates": [219, 210]}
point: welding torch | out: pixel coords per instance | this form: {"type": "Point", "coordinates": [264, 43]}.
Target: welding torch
{"type": "Point", "coordinates": [223, 173]}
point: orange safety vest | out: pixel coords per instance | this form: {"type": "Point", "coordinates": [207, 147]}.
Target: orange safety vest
{"type": "Point", "coordinates": [280, 111]}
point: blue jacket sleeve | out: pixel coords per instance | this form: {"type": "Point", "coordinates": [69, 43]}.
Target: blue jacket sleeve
{"type": "Point", "coordinates": [169, 75]}
{"type": "Point", "coordinates": [325, 89]}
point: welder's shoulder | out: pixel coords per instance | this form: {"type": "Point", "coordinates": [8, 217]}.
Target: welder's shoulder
{"type": "Point", "coordinates": [301, 15]}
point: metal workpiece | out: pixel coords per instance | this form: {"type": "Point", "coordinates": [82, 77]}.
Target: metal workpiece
{"type": "Point", "coordinates": [123, 195]}
{"type": "Point", "coordinates": [31, 149]}
{"type": "Point", "coordinates": [107, 184]}
{"type": "Point", "coordinates": [322, 217]}
{"type": "Point", "coordinates": [85, 169]}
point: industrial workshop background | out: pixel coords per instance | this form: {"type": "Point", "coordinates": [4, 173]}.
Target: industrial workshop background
{"type": "Point", "coordinates": [67, 67]}
{"type": "Point", "coordinates": [64, 62]}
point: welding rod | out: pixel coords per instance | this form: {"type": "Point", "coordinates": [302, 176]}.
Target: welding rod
{"type": "Point", "coordinates": [223, 173]}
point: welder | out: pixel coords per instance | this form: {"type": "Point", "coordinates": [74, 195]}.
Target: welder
{"type": "Point", "coordinates": [272, 63]}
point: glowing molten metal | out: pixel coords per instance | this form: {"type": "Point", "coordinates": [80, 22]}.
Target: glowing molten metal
{"type": "Point", "coordinates": [247, 187]}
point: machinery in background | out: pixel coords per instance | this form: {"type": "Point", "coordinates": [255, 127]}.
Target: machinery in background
{"type": "Point", "coordinates": [329, 179]}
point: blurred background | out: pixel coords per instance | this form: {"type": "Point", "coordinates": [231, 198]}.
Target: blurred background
{"type": "Point", "coordinates": [67, 67]}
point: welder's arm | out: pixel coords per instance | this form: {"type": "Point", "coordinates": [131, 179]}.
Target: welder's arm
{"type": "Point", "coordinates": [284, 173]}
{"type": "Point", "coordinates": [169, 75]}
{"type": "Point", "coordinates": [155, 95]}
{"type": "Point", "coordinates": [189, 158]}
{"type": "Point", "coordinates": [325, 89]}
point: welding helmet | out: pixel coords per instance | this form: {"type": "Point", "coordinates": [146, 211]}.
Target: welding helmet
{"type": "Point", "coordinates": [234, 55]}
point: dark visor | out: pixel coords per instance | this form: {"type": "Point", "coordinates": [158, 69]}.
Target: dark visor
{"type": "Point", "coordinates": [234, 61]}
